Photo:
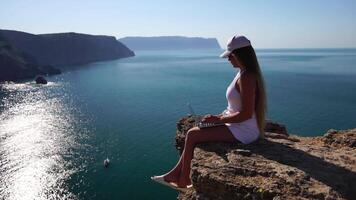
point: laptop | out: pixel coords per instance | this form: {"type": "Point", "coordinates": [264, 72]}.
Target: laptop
{"type": "Point", "coordinates": [200, 124]}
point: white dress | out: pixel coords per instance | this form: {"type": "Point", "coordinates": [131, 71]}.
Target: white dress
{"type": "Point", "coordinates": [246, 131]}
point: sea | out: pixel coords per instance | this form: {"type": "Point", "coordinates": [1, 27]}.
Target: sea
{"type": "Point", "coordinates": [55, 137]}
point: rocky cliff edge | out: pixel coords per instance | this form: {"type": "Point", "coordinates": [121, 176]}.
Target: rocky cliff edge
{"type": "Point", "coordinates": [281, 166]}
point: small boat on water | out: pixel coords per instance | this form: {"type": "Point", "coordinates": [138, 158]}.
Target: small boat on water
{"type": "Point", "coordinates": [106, 162]}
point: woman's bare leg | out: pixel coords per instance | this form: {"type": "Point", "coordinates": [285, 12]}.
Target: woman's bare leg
{"type": "Point", "coordinates": [195, 136]}
{"type": "Point", "coordinates": [174, 174]}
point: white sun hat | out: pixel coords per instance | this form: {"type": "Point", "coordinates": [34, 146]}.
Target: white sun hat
{"type": "Point", "coordinates": [233, 43]}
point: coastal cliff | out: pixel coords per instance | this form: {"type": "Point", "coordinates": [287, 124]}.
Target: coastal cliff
{"type": "Point", "coordinates": [16, 65]}
{"type": "Point", "coordinates": [63, 49]}
{"type": "Point", "coordinates": [170, 43]}
{"type": "Point", "coordinates": [281, 166]}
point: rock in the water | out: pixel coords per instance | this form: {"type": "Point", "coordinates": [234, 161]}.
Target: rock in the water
{"type": "Point", "coordinates": [41, 80]}
{"type": "Point", "coordinates": [274, 168]}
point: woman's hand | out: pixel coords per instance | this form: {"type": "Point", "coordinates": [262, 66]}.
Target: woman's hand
{"type": "Point", "coordinates": [211, 119]}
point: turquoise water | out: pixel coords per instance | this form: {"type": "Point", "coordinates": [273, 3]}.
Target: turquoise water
{"type": "Point", "coordinates": [54, 138]}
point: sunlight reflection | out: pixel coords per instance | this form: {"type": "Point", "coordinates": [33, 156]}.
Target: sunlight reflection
{"type": "Point", "coordinates": [33, 140]}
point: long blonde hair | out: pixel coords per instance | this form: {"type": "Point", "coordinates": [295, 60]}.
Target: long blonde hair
{"type": "Point", "coordinates": [248, 58]}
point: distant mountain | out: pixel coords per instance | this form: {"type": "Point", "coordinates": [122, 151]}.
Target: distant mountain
{"type": "Point", "coordinates": [61, 49]}
{"type": "Point", "coordinates": [16, 65]}
{"type": "Point", "coordinates": [170, 43]}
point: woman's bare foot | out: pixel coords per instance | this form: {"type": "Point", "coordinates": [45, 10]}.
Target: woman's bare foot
{"type": "Point", "coordinates": [171, 178]}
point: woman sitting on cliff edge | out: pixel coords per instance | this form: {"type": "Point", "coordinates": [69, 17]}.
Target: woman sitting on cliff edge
{"type": "Point", "coordinates": [244, 118]}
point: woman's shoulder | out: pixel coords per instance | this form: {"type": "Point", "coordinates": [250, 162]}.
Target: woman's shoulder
{"type": "Point", "coordinates": [248, 81]}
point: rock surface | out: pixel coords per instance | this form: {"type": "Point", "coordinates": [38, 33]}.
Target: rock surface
{"type": "Point", "coordinates": [16, 65]}
{"type": "Point", "coordinates": [286, 167]}
{"type": "Point", "coordinates": [40, 80]}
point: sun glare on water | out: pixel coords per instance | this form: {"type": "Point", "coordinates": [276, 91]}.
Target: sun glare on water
{"type": "Point", "coordinates": [34, 143]}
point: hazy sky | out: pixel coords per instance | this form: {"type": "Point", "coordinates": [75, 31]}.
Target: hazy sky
{"type": "Point", "coordinates": [268, 24]}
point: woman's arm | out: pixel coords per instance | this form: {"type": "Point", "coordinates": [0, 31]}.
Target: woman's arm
{"type": "Point", "coordinates": [247, 91]}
